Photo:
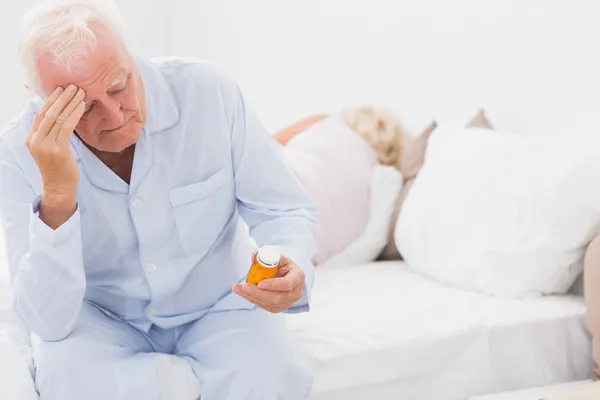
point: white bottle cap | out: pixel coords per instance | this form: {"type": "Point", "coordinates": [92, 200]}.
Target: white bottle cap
{"type": "Point", "coordinates": [269, 256]}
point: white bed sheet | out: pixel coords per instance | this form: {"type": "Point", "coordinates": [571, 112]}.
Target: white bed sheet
{"type": "Point", "coordinates": [16, 381]}
{"type": "Point", "coordinates": [382, 332]}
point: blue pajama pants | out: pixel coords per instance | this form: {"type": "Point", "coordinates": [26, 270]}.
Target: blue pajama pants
{"type": "Point", "coordinates": [236, 355]}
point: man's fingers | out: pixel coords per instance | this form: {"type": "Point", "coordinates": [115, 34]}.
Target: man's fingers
{"type": "Point", "coordinates": [272, 298]}
{"type": "Point", "coordinates": [264, 296]}
{"type": "Point", "coordinates": [55, 110]}
{"type": "Point", "coordinates": [254, 300]}
{"type": "Point", "coordinates": [287, 283]}
{"type": "Point", "coordinates": [275, 294]}
{"type": "Point", "coordinates": [271, 301]}
{"type": "Point", "coordinates": [65, 119]}
{"type": "Point", "coordinates": [69, 127]}
{"type": "Point", "coordinates": [41, 114]}
{"type": "Point", "coordinates": [249, 296]}
{"type": "Point", "coordinates": [274, 308]}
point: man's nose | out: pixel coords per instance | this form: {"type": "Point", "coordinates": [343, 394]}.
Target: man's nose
{"type": "Point", "coordinates": [113, 115]}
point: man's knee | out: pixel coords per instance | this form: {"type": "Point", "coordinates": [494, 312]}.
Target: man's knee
{"type": "Point", "coordinates": [62, 372]}
{"type": "Point", "coordinates": [245, 355]}
{"type": "Point", "coordinates": [284, 379]}
{"type": "Point", "coordinates": [53, 360]}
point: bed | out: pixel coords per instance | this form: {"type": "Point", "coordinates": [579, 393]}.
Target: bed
{"type": "Point", "coordinates": [379, 331]}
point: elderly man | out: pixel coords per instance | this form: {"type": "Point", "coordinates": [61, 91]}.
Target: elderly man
{"type": "Point", "coordinates": [124, 189]}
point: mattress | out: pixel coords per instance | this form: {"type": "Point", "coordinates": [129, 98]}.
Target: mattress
{"type": "Point", "coordinates": [380, 331]}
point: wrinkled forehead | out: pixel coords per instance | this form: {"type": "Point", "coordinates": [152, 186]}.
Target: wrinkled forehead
{"type": "Point", "coordinates": [100, 68]}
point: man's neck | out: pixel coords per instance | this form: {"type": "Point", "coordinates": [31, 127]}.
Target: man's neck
{"type": "Point", "coordinates": [120, 163]}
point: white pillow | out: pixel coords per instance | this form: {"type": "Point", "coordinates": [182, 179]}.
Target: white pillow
{"type": "Point", "coordinates": [495, 212]}
{"type": "Point", "coordinates": [386, 186]}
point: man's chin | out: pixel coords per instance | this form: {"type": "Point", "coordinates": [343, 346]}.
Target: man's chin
{"type": "Point", "coordinates": [119, 142]}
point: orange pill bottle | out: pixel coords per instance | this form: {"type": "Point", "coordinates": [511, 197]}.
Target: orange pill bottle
{"type": "Point", "coordinates": [264, 265]}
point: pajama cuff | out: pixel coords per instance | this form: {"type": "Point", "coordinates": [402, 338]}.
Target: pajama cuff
{"type": "Point", "coordinates": [40, 231]}
{"type": "Point", "coordinates": [303, 304]}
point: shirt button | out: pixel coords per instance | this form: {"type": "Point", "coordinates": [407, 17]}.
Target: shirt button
{"type": "Point", "coordinates": [138, 203]}
{"type": "Point", "coordinates": [151, 267]}
{"type": "Point", "coordinates": [151, 312]}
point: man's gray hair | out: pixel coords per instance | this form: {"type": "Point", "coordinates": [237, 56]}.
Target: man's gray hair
{"type": "Point", "coordinates": [62, 28]}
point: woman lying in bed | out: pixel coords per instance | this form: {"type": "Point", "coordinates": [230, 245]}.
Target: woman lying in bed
{"type": "Point", "coordinates": [334, 156]}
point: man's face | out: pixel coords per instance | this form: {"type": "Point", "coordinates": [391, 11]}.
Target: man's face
{"type": "Point", "coordinates": [115, 107]}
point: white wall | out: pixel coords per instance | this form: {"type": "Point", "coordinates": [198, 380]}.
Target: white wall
{"type": "Point", "coordinates": [207, 29]}
{"type": "Point", "coordinates": [11, 81]}
{"type": "Point", "coordinates": [533, 63]}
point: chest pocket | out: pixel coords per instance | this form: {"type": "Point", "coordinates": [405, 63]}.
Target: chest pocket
{"type": "Point", "coordinates": [201, 210]}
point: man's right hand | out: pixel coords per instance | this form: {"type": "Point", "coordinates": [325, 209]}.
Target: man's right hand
{"type": "Point", "coordinates": [48, 142]}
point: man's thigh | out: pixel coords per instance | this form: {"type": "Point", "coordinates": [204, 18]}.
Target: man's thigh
{"type": "Point", "coordinates": [244, 355]}
{"type": "Point", "coordinates": [101, 359]}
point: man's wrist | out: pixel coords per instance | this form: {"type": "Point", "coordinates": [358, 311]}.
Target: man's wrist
{"type": "Point", "coordinates": [56, 208]}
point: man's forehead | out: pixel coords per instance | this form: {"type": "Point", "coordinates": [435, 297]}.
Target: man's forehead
{"type": "Point", "coordinates": [106, 66]}
{"type": "Point", "coordinates": [105, 73]}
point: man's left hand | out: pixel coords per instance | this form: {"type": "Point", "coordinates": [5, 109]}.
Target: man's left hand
{"type": "Point", "coordinates": [275, 294]}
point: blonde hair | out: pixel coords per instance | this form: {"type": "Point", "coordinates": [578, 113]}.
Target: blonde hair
{"type": "Point", "coordinates": [380, 128]}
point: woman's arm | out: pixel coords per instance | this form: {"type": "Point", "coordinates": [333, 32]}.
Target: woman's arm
{"type": "Point", "coordinates": [285, 135]}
